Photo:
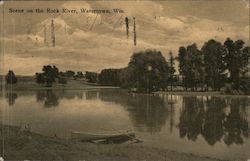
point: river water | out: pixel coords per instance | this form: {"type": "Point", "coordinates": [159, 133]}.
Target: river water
{"type": "Point", "coordinates": [216, 127]}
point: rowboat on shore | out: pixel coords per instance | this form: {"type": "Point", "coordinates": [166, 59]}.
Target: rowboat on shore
{"type": "Point", "coordinates": [115, 135]}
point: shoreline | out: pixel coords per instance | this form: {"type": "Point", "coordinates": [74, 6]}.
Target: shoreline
{"type": "Point", "coordinates": [96, 87]}
{"type": "Point", "coordinates": [23, 145]}
{"type": "Point", "coordinates": [191, 93]}
{"type": "Point", "coordinates": [28, 83]}
{"type": "Point", "coordinates": [64, 88]}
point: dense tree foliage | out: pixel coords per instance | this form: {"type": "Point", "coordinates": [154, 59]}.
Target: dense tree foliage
{"type": "Point", "coordinates": [110, 77]}
{"type": "Point", "coordinates": [50, 73]}
{"type": "Point", "coordinates": [236, 60]}
{"type": "Point", "coordinates": [126, 77]}
{"type": "Point", "coordinates": [217, 66]}
{"type": "Point", "coordinates": [91, 77]}
{"type": "Point", "coordinates": [147, 71]}
{"type": "Point", "coordinates": [79, 74]}
{"type": "Point", "coordinates": [214, 63]}
{"type": "Point", "coordinates": [172, 78]}
{"type": "Point", "coordinates": [11, 78]}
{"type": "Point", "coordinates": [40, 78]}
{"type": "Point", "coordinates": [191, 66]}
{"type": "Point", "coordinates": [211, 67]}
{"type": "Point", "coordinates": [48, 76]}
{"type": "Point", "coordinates": [69, 73]}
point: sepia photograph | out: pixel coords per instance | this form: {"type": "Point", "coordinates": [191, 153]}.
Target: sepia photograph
{"type": "Point", "coordinates": [124, 80]}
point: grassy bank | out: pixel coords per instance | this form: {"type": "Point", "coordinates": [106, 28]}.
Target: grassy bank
{"type": "Point", "coordinates": [29, 83]}
{"type": "Point", "coordinates": [21, 145]}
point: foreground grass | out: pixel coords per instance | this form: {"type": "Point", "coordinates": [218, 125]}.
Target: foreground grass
{"type": "Point", "coordinates": [21, 145]}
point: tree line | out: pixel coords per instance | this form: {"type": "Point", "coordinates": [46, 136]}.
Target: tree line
{"type": "Point", "coordinates": [51, 74]}
{"type": "Point", "coordinates": [214, 66]}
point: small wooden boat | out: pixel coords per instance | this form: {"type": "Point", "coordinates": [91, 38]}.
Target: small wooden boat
{"type": "Point", "coordinates": [116, 135]}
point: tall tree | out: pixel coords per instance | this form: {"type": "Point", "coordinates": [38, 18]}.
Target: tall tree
{"type": "Point", "coordinates": [183, 65]}
{"type": "Point", "coordinates": [40, 78]}
{"type": "Point", "coordinates": [109, 77]}
{"type": "Point", "coordinates": [214, 54]}
{"type": "Point", "coordinates": [50, 74]}
{"type": "Point", "coordinates": [11, 78]}
{"type": "Point", "coordinates": [191, 66]}
{"type": "Point", "coordinates": [171, 70]}
{"type": "Point", "coordinates": [236, 59]}
{"type": "Point", "coordinates": [126, 77]}
{"type": "Point", "coordinates": [149, 70]}
{"type": "Point", "coordinates": [196, 66]}
{"type": "Point", "coordinates": [91, 77]}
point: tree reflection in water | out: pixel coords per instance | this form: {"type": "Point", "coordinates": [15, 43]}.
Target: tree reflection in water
{"type": "Point", "coordinates": [147, 112]}
{"type": "Point", "coordinates": [236, 124]}
{"type": "Point", "coordinates": [191, 118]}
{"type": "Point", "coordinates": [11, 97]}
{"type": "Point", "coordinates": [214, 118]}
{"type": "Point", "coordinates": [51, 98]}
{"type": "Point", "coordinates": [48, 97]}
{"type": "Point", "coordinates": [208, 117]}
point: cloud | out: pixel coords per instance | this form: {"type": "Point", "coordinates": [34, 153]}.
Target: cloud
{"type": "Point", "coordinates": [93, 42]}
{"type": "Point", "coordinates": [200, 30]}
{"type": "Point", "coordinates": [171, 24]}
{"type": "Point", "coordinates": [24, 66]}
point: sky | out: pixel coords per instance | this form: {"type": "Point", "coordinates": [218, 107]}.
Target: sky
{"type": "Point", "coordinates": [92, 42]}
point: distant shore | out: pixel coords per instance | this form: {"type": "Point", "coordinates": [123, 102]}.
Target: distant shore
{"type": "Point", "coordinates": [61, 88]}
{"type": "Point", "coordinates": [29, 83]}
{"type": "Point", "coordinates": [23, 145]}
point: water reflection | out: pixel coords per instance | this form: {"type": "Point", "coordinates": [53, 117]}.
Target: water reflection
{"type": "Point", "coordinates": [52, 98]}
{"type": "Point", "coordinates": [148, 112]}
{"type": "Point", "coordinates": [191, 117]}
{"type": "Point", "coordinates": [236, 124]}
{"type": "Point", "coordinates": [215, 119]}
{"type": "Point", "coordinates": [11, 98]}
{"type": "Point", "coordinates": [91, 95]}
{"type": "Point", "coordinates": [48, 97]}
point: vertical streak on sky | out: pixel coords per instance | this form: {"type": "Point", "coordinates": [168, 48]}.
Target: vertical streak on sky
{"type": "Point", "coordinates": [127, 26]}
{"type": "Point", "coordinates": [248, 7]}
{"type": "Point", "coordinates": [134, 32]}
{"type": "Point", "coordinates": [53, 37]}
{"type": "Point", "coordinates": [45, 35]}
{"type": "Point", "coordinates": [93, 22]}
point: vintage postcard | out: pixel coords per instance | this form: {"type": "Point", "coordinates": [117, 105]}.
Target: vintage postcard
{"type": "Point", "coordinates": [135, 80]}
